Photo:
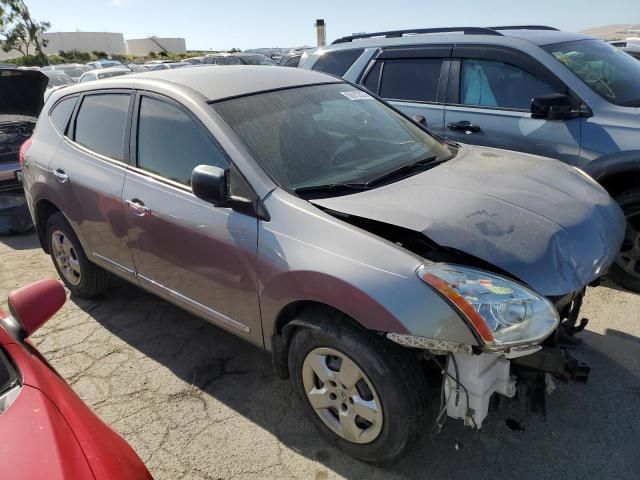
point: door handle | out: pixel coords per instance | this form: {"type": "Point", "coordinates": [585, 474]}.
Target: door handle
{"type": "Point", "coordinates": [465, 125]}
{"type": "Point", "coordinates": [137, 206]}
{"type": "Point", "coordinates": [60, 176]}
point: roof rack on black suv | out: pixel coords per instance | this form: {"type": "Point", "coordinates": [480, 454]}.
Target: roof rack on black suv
{"type": "Point", "coordinates": [418, 31]}
{"type": "Point", "coordinates": [463, 30]}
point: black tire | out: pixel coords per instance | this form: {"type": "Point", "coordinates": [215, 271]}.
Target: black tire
{"type": "Point", "coordinates": [629, 201]}
{"type": "Point", "coordinates": [93, 279]}
{"type": "Point", "coordinates": [393, 371]}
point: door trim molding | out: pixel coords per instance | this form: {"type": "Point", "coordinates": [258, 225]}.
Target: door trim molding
{"type": "Point", "coordinates": [116, 265]}
{"type": "Point", "coordinates": [203, 308]}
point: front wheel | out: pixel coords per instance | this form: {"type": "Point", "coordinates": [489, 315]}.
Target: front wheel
{"type": "Point", "coordinates": [626, 270]}
{"type": "Point", "coordinates": [364, 394]}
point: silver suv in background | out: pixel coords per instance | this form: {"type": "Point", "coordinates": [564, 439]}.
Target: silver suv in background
{"type": "Point", "coordinates": [315, 221]}
{"type": "Point", "coordinates": [528, 88]}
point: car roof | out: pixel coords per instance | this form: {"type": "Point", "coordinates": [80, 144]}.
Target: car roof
{"type": "Point", "coordinates": [540, 37]}
{"type": "Point", "coordinates": [215, 83]}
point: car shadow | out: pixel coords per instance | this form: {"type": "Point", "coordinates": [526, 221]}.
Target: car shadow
{"type": "Point", "coordinates": [20, 241]}
{"type": "Point", "coordinates": [591, 430]}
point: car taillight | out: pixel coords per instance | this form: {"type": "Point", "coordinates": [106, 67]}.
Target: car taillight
{"type": "Point", "coordinates": [23, 151]}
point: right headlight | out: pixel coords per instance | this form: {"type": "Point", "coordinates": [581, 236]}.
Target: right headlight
{"type": "Point", "coordinates": [503, 313]}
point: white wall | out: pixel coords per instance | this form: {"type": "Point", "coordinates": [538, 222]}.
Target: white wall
{"type": "Point", "coordinates": [142, 46]}
{"type": "Point", "coordinates": [85, 42]}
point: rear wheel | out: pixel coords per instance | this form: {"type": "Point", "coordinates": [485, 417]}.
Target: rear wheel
{"type": "Point", "coordinates": [626, 270]}
{"type": "Point", "coordinates": [80, 276]}
{"type": "Point", "coordinates": [364, 394]}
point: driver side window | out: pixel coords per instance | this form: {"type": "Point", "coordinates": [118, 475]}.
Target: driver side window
{"type": "Point", "coordinates": [171, 144]}
{"type": "Point", "coordinates": [490, 83]}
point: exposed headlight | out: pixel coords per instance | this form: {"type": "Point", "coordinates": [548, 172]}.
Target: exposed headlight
{"type": "Point", "coordinates": [504, 313]}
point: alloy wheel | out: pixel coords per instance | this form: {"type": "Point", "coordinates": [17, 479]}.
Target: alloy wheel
{"type": "Point", "coordinates": [629, 257]}
{"type": "Point", "coordinates": [65, 256]}
{"type": "Point", "coordinates": [342, 395]}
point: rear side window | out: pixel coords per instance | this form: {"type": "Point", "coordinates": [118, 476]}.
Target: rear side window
{"type": "Point", "coordinates": [293, 61]}
{"type": "Point", "coordinates": [61, 113]}
{"type": "Point", "coordinates": [490, 83]}
{"type": "Point", "coordinates": [414, 79]}
{"type": "Point", "coordinates": [171, 144]}
{"type": "Point", "coordinates": [101, 123]}
{"type": "Point", "coordinates": [337, 63]}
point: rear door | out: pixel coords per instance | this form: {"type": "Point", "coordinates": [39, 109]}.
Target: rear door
{"type": "Point", "coordinates": [412, 79]}
{"type": "Point", "coordinates": [198, 256]}
{"type": "Point", "coordinates": [88, 171]}
{"type": "Point", "coordinates": [489, 103]}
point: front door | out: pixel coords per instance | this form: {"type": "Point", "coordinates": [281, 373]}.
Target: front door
{"type": "Point", "coordinates": [489, 104]}
{"type": "Point", "coordinates": [191, 253]}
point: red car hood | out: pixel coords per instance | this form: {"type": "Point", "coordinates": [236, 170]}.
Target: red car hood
{"type": "Point", "coordinates": [71, 437]}
{"type": "Point", "coordinates": [38, 442]}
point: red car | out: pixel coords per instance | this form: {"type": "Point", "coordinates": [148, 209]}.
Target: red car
{"type": "Point", "coordinates": [46, 431]}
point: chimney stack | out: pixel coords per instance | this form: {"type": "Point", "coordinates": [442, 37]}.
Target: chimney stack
{"type": "Point", "coordinates": [321, 32]}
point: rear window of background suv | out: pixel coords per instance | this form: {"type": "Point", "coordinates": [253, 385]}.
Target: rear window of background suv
{"type": "Point", "coordinates": [337, 62]}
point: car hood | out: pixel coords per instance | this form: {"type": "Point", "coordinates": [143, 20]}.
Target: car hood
{"type": "Point", "coordinates": [541, 221]}
{"type": "Point", "coordinates": [22, 92]}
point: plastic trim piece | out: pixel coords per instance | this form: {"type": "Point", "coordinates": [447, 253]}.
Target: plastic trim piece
{"type": "Point", "coordinates": [428, 343]}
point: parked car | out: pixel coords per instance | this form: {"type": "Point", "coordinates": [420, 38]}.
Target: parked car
{"type": "Point", "coordinates": [101, 74]}
{"type": "Point", "coordinates": [532, 89]}
{"type": "Point", "coordinates": [292, 59]}
{"type": "Point", "coordinates": [74, 70]}
{"type": "Point", "coordinates": [634, 52]}
{"type": "Point", "coordinates": [193, 60]}
{"type": "Point", "coordinates": [103, 64]}
{"type": "Point", "coordinates": [40, 414]}
{"type": "Point", "coordinates": [300, 213]}
{"type": "Point", "coordinates": [57, 79]}
{"type": "Point", "coordinates": [237, 59]}
{"type": "Point", "coordinates": [20, 105]}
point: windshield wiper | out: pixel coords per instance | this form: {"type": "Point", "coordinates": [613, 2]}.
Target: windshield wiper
{"type": "Point", "coordinates": [332, 188]}
{"type": "Point", "coordinates": [420, 165]}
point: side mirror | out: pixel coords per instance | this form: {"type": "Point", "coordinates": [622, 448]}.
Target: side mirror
{"type": "Point", "coordinates": [32, 305]}
{"type": "Point", "coordinates": [554, 106]}
{"type": "Point", "coordinates": [420, 119]}
{"type": "Point", "coordinates": [211, 184]}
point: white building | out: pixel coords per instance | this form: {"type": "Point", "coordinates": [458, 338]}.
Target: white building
{"type": "Point", "coordinates": [142, 46]}
{"type": "Point", "coordinates": [85, 42]}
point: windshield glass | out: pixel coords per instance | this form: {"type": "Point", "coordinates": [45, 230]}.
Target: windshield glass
{"type": "Point", "coordinates": [56, 79]}
{"type": "Point", "coordinates": [74, 71]}
{"type": "Point", "coordinates": [326, 134]}
{"type": "Point", "coordinates": [257, 60]}
{"type": "Point", "coordinates": [609, 71]}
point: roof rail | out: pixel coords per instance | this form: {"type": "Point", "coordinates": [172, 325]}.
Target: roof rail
{"type": "Point", "coordinates": [418, 31]}
{"type": "Point", "coordinates": [523, 27]}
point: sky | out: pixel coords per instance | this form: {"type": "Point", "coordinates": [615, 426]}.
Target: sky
{"type": "Point", "coordinates": [221, 25]}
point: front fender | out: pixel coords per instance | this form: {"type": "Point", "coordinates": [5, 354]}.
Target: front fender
{"type": "Point", "coordinates": [612, 164]}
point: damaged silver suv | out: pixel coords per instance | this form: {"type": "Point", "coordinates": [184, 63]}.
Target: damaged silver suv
{"type": "Point", "coordinates": [315, 221]}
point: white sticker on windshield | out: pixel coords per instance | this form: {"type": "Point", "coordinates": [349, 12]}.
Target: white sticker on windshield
{"type": "Point", "coordinates": [357, 95]}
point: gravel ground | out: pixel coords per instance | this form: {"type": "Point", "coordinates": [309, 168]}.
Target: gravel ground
{"type": "Point", "coordinates": [198, 403]}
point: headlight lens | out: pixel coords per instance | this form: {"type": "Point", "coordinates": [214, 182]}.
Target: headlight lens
{"type": "Point", "coordinates": [503, 312]}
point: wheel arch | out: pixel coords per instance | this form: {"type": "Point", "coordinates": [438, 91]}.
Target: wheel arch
{"type": "Point", "coordinates": [616, 172]}
{"type": "Point", "coordinates": [43, 210]}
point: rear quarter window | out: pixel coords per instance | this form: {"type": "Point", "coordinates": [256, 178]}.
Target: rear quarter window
{"type": "Point", "coordinates": [61, 113]}
{"type": "Point", "coordinates": [338, 62]}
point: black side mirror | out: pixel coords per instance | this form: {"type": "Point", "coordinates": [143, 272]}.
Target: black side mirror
{"type": "Point", "coordinates": [420, 119]}
{"type": "Point", "coordinates": [554, 106]}
{"type": "Point", "coordinates": [211, 184]}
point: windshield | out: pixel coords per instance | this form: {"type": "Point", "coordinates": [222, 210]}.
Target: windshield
{"type": "Point", "coordinates": [74, 71]}
{"type": "Point", "coordinates": [56, 79]}
{"type": "Point", "coordinates": [257, 60]}
{"type": "Point", "coordinates": [326, 134]}
{"type": "Point", "coordinates": [609, 72]}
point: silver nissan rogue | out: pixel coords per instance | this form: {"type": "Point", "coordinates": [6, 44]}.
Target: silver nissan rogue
{"type": "Point", "coordinates": [307, 216]}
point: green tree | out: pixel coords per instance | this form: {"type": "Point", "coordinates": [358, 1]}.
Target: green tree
{"type": "Point", "coordinates": [20, 31]}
